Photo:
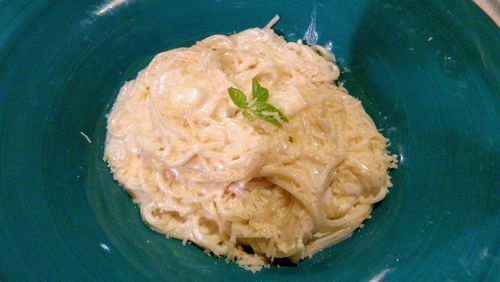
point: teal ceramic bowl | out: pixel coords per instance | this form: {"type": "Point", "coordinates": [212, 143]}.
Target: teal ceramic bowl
{"type": "Point", "coordinates": [426, 71]}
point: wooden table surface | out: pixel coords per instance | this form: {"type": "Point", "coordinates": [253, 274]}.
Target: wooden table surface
{"type": "Point", "coordinates": [491, 8]}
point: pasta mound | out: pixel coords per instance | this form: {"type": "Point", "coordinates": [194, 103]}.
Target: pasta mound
{"type": "Point", "coordinates": [201, 172]}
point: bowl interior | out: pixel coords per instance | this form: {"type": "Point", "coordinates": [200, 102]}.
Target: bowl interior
{"type": "Point", "coordinates": [426, 72]}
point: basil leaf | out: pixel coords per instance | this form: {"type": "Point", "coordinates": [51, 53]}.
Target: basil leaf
{"type": "Point", "coordinates": [239, 98]}
{"type": "Point", "coordinates": [266, 107]}
{"type": "Point", "coordinates": [247, 115]}
{"type": "Point", "coordinates": [259, 93]}
{"type": "Point", "coordinates": [269, 113]}
{"type": "Point", "coordinates": [259, 107]}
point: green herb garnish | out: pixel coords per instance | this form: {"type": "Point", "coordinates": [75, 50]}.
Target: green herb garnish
{"type": "Point", "coordinates": [258, 107]}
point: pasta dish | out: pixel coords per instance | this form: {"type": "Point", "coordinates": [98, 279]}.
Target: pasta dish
{"type": "Point", "coordinates": [285, 181]}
